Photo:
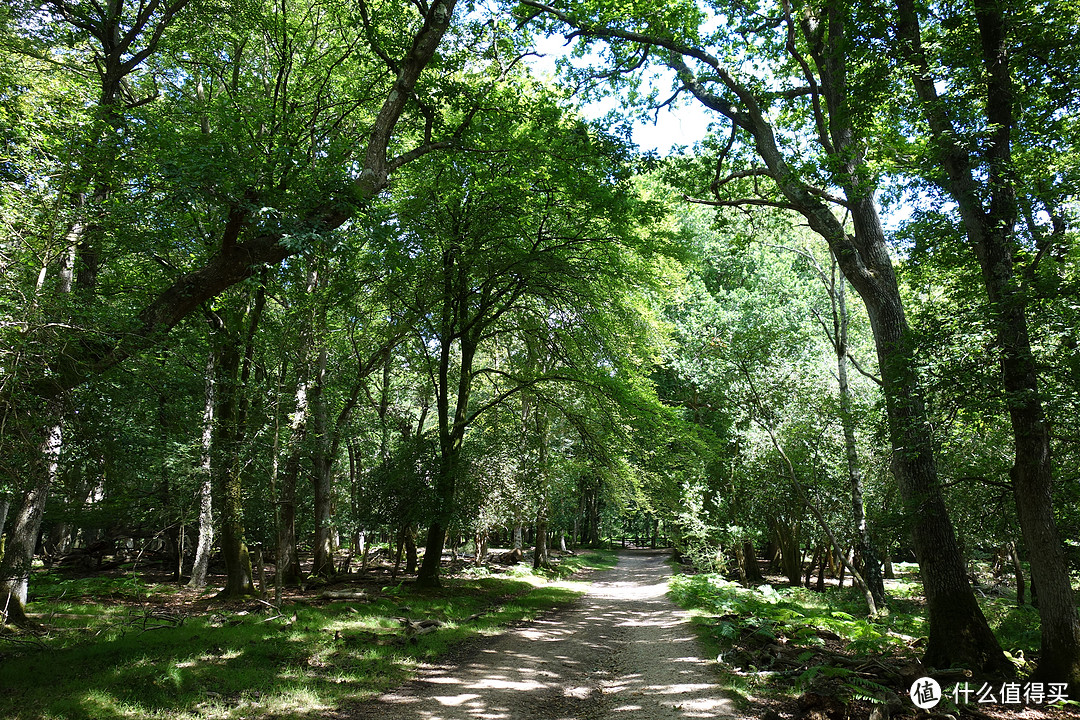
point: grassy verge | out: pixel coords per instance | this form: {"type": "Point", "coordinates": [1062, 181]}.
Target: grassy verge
{"type": "Point", "coordinates": [589, 559]}
{"type": "Point", "coordinates": [777, 643]}
{"type": "Point", "coordinates": [110, 659]}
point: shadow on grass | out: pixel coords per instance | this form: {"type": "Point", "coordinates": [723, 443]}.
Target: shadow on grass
{"type": "Point", "coordinates": [300, 664]}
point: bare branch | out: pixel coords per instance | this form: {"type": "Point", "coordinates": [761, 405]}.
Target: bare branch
{"type": "Point", "coordinates": [862, 372]}
{"type": "Point", "coordinates": [740, 202]}
{"type": "Point", "coordinates": [811, 81]}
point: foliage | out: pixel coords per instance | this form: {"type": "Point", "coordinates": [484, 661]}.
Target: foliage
{"type": "Point", "coordinates": [791, 613]}
{"type": "Point", "coordinates": [220, 259]}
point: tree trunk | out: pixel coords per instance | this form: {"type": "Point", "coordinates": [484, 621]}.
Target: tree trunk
{"type": "Point", "coordinates": [22, 539]}
{"type": "Point", "coordinates": [740, 563]}
{"type": "Point", "coordinates": [275, 489]}
{"type": "Point", "coordinates": [990, 228]}
{"type": "Point", "coordinates": [540, 552]}
{"type": "Point", "coordinates": [355, 537]}
{"type": "Point", "coordinates": [451, 427]}
{"type": "Point", "coordinates": [260, 571]}
{"type": "Point", "coordinates": [287, 556]}
{"type": "Point", "coordinates": [428, 576]}
{"type": "Point", "coordinates": [5, 504]}
{"type": "Point", "coordinates": [810, 568]}
{"type": "Point", "coordinates": [323, 461]}
{"type": "Point", "coordinates": [239, 582]}
{"type": "Point", "coordinates": [789, 551]}
{"type": "Point", "coordinates": [446, 482]}
{"type": "Point", "coordinates": [206, 485]}
{"type": "Point", "coordinates": [1018, 571]}
{"type": "Point", "coordinates": [864, 546]}
{"type": "Point", "coordinates": [43, 466]}
{"type": "Point", "coordinates": [361, 539]}
{"type": "Point", "coordinates": [229, 484]}
{"type": "Point", "coordinates": [397, 555]}
{"type": "Point", "coordinates": [410, 549]}
{"type": "Point", "coordinates": [517, 537]}
{"type": "Point", "coordinates": [753, 571]}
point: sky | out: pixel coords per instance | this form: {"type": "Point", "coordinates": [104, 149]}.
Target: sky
{"type": "Point", "coordinates": [674, 126]}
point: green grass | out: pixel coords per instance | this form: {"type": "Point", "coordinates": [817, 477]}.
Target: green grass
{"type": "Point", "coordinates": [1016, 628]}
{"type": "Point", "coordinates": [729, 616]}
{"type": "Point", "coordinates": [97, 662]}
{"type": "Point", "coordinates": [560, 568]}
{"type": "Point", "coordinates": [794, 613]}
{"type": "Point", "coordinates": [598, 559]}
{"type": "Point", "coordinates": [738, 623]}
{"type": "Point", "coordinates": [51, 586]}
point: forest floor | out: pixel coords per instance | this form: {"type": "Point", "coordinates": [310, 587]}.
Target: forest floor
{"type": "Point", "coordinates": [125, 644]}
{"type": "Point", "coordinates": [624, 650]}
{"type": "Point", "coordinates": [495, 643]}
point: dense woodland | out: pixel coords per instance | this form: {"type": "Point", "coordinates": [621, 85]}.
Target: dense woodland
{"type": "Point", "coordinates": [290, 280]}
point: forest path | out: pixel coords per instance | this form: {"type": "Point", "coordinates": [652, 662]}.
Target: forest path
{"type": "Point", "coordinates": [623, 651]}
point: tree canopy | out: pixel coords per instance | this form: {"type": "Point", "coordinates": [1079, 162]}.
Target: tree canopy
{"type": "Point", "coordinates": [286, 280]}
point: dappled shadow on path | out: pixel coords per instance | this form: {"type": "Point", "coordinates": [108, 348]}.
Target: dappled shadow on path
{"type": "Point", "coordinates": [624, 651]}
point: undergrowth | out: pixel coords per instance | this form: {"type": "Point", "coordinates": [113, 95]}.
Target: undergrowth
{"type": "Point", "coordinates": [795, 613]}
{"type": "Point", "coordinates": [786, 641]}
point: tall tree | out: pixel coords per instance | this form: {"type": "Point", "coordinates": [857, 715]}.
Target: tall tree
{"type": "Point", "coordinates": [836, 329]}
{"type": "Point", "coordinates": [982, 177]}
{"type": "Point", "coordinates": [254, 215]}
{"type": "Point", "coordinates": [537, 222]}
{"type": "Point", "coordinates": [818, 76]}
{"type": "Point", "coordinates": [121, 38]}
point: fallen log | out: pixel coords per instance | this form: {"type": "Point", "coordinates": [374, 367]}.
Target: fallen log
{"type": "Point", "coordinates": [342, 595]}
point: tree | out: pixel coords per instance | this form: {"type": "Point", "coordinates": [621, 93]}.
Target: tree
{"type": "Point", "coordinates": [259, 219]}
{"type": "Point", "coordinates": [983, 182]}
{"type": "Point", "coordinates": [754, 372]}
{"type": "Point", "coordinates": [536, 228]}
{"type": "Point", "coordinates": [821, 76]}
{"type": "Point", "coordinates": [837, 334]}
{"type": "Point", "coordinates": [122, 37]}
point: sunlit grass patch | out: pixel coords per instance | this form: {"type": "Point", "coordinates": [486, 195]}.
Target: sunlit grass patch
{"type": "Point", "coordinates": [600, 559]}
{"type": "Point", "coordinates": [127, 586]}
{"type": "Point", "coordinates": [779, 641]}
{"type": "Point", "coordinates": [744, 626]}
{"type": "Point", "coordinates": [792, 610]}
{"type": "Point", "coordinates": [106, 661]}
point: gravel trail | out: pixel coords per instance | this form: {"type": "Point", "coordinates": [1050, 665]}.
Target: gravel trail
{"type": "Point", "coordinates": [623, 651]}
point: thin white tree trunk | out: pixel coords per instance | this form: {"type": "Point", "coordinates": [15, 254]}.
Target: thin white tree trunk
{"type": "Point", "coordinates": [5, 505]}
{"type": "Point", "coordinates": [19, 553]}
{"type": "Point", "coordinates": [206, 486]}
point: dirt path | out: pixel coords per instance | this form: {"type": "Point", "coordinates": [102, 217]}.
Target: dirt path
{"type": "Point", "coordinates": [623, 651]}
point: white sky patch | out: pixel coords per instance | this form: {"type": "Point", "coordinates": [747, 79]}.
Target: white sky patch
{"type": "Point", "coordinates": [679, 124]}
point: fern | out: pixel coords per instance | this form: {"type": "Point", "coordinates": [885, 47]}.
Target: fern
{"type": "Point", "coordinates": [802, 682]}
{"type": "Point", "coordinates": [864, 689]}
